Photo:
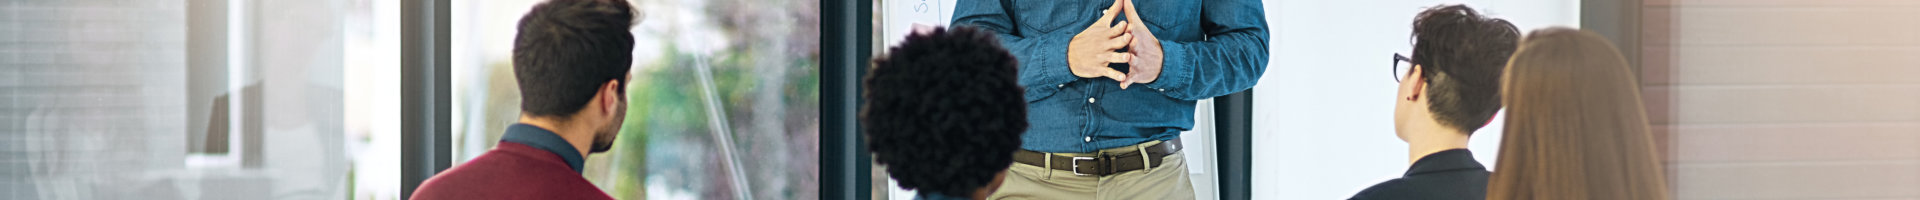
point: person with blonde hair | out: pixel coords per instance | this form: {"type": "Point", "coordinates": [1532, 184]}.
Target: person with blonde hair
{"type": "Point", "coordinates": [1575, 128]}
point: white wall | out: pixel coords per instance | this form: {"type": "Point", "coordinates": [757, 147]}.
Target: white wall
{"type": "Point", "coordinates": [1323, 112]}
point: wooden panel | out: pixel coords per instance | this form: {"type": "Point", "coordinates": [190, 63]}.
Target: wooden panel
{"type": "Point", "coordinates": [1699, 105]}
{"type": "Point", "coordinates": [1798, 142]}
{"type": "Point", "coordinates": [1781, 3]}
{"type": "Point", "coordinates": [1658, 101]}
{"type": "Point", "coordinates": [1657, 64]}
{"type": "Point", "coordinates": [1656, 25]}
{"type": "Point", "coordinates": [1793, 65]}
{"type": "Point", "coordinates": [1663, 141]}
{"type": "Point", "coordinates": [1785, 99]}
{"type": "Point", "coordinates": [1897, 179]}
{"type": "Point", "coordinates": [1759, 26]}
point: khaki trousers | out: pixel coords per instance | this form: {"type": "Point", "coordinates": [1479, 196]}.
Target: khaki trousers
{"type": "Point", "coordinates": [1168, 181]}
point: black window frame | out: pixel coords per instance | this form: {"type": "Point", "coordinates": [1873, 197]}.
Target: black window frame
{"type": "Point", "coordinates": [425, 108]}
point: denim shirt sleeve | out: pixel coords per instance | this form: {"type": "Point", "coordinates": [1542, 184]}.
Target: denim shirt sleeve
{"type": "Point", "coordinates": [1042, 57]}
{"type": "Point", "coordinates": [1231, 59]}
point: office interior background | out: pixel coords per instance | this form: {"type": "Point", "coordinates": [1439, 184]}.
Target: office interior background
{"type": "Point", "coordinates": [246, 99]}
{"type": "Point", "coordinates": [752, 99]}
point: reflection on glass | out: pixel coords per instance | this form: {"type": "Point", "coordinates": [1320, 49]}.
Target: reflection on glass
{"type": "Point", "coordinates": [197, 99]}
{"type": "Point", "coordinates": [724, 97]}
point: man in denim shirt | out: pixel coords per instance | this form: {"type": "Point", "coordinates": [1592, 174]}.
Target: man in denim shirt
{"type": "Point", "coordinates": [1101, 132]}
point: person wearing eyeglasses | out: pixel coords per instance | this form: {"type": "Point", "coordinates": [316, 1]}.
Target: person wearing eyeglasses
{"type": "Point", "coordinates": [1110, 84]}
{"type": "Point", "coordinates": [1449, 88]}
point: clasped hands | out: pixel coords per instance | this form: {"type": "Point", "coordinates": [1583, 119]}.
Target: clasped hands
{"type": "Point", "coordinates": [1090, 51]}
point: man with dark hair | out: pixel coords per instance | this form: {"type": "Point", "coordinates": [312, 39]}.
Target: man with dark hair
{"type": "Point", "coordinates": [1113, 83]}
{"type": "Point", "coordinates": [1450, 88]}
{"type": "Point", "coordinates": [571, 59]}
{"type": "Point", "coordinates": [944, 112]}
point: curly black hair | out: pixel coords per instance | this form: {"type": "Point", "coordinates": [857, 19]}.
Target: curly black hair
{"type": "Point", "coordinates": [944, 110]}
{"type": "Point", "coordinates": [1462, 54]}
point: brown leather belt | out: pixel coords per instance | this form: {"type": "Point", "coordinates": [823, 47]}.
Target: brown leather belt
{"type": "Point", "coordinates": [1101, 163]}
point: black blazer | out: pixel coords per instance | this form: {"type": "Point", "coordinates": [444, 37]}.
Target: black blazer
{"type": "Point", "coordinates": [1450, 174]}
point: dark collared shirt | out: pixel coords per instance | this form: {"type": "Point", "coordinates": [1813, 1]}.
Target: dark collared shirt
{"type": "Point", "coordinates": [1212, 48]}
{"type": "Point", "coordinates": [529, 163]}
{"type": "Point", "coordinates": [925, 195]}
{"type": "Point", "coordinates": [1450, 174]}
{"type": "Point", "coordinates": [542, 139]}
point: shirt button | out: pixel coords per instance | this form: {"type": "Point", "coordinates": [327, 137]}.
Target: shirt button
{"type": "Point", "coordinates": [1089, 139]}
{"type": "Point", "coordinates": [1090, 100]}
{"type": "Point", "coordinates": [1060, 86]}
{"type": "Point", "coordinates": [1162, 89]}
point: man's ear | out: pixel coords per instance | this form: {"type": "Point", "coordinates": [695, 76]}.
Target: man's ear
{"type": "Point", "coordinates": [609, 96]}
{"type": "Point", "coordinates": [1419, 82]}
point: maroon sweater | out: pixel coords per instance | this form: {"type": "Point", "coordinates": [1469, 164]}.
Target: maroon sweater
{"type": "Point", "coordinates": [510, 171]}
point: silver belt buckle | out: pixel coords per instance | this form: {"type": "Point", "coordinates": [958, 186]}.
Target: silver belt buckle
{"type": "Point", "coordinates": [1076, 165]}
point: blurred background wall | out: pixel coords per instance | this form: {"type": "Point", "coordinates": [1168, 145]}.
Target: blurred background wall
{"type": "Point", "coordinates": [88, 96]}
{"type": "Point", "coordinates": [1784, 99]}
{"type": "Point", "coordinates": [197, 99]}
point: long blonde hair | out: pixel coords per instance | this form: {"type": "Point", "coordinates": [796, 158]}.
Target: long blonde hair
{"type": "Point", "coordinates": [1575, 128]}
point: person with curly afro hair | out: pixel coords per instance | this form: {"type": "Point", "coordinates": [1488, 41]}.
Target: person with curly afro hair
{"type": "Point", "coordinates": [944, 111]}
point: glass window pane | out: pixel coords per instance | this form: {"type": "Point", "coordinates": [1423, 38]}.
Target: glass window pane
{"type": "Point", "coordinates": [198, 99]}
{"type": "Point", "coordinates": [724, 100]}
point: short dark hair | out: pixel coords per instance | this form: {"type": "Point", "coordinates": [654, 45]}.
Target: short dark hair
{"type": "Point", "coordinates": [1463, 54]}
{"type": "Point", "coordinates": [944, 110]}
{"type": "Point", "coordinates": [567, 48]}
